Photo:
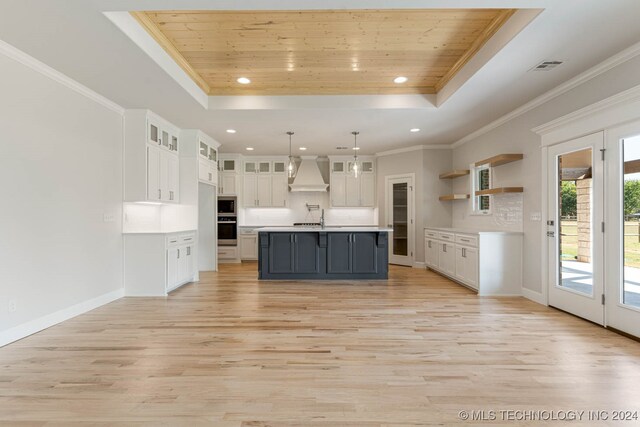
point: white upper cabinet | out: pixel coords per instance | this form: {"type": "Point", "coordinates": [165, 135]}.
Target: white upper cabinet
{"type": "Point", "coordinates": [264, 183]}
{"type": "Point", "coordinates": [228, 165]}
{"type": "Point", "coordinates": [197, 144]}
{"type": "Point", "coordinates": [151, 158]}
{"type": "Point", "coordinates": [347, 191]}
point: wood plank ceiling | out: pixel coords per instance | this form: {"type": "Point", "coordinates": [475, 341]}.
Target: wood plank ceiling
{"type": "Point", "coordinates": [323, 52]}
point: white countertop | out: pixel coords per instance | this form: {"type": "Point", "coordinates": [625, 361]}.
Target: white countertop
{"type": "Point", "coordinates": [160, 232]}
{"type": "Point", "coordinates": [328, 228]}
{"type": "Point", "coordinates": [470, 231]}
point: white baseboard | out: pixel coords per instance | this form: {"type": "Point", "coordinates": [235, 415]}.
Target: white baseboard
{"type": "Point", "coordinates": [21, 331]}
{"type": "Point", "coordinates": [418, 264]}
{"type": "Point", "coordinates": [533, 296]}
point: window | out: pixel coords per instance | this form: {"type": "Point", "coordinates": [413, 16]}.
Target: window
{"type": "Point", "coordinates": [481, 181]}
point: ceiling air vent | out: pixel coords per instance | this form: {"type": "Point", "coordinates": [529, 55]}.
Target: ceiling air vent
{"type": "Point", "coordinates": [546, 65]}
{"type": "Point", "coordinates": [342, 147]}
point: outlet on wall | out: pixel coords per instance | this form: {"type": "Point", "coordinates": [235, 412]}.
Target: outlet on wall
{"type": "Point", "coordinates": [535, 216]}
{"type": "Point", "coordinates": [13, 306]}
{"type": "Point", "coordinates": [109, 217]}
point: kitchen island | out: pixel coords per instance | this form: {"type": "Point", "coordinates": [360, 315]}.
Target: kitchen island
{"type": "Point", "coordinates": [330, 253]}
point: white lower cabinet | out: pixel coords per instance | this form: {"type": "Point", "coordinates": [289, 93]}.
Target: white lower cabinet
{"type": "Point", "coordinates": [248, 244]}
{"type": "Point", "coordinates": [489, 262]}
{"type": "Point", "coordinates": [446, 258]}
{"type": "Point", "coordinates": [228, 254]}
{"type": "Point", "coordinates": [157, 263]}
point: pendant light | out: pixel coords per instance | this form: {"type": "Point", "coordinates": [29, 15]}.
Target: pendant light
{"type": "Point", "coordinates": [291, 166]}
{"type": "Point", "coordinates": [356, 168]}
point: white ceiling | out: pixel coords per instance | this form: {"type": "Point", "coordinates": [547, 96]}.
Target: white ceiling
{"type": "Point", "coordinates": [75, 37]}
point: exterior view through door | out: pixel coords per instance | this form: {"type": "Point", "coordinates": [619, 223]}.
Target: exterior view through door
{"type": "Point", "coordinates": [594, 227]}
{"type": "Point", "coordinates": [400, 217]}
{"type": "Point", "coordinates": [574, 227]}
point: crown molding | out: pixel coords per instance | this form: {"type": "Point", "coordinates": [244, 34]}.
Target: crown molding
{"type": "Point", "coordinates": [42, 68]}
{"type": "Point", "coordinates": [413, 148]}
{"type": "Point", "coordinates": [606, 65]}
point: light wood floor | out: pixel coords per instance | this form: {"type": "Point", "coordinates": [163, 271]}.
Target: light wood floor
{"type": "Point", "coordinates": [231, 351]}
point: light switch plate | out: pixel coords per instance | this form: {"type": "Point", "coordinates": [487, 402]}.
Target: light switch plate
{"type": "Point", "coordinates": [535, 216]}
{"type": "Point", "coordinates": [109, 217]}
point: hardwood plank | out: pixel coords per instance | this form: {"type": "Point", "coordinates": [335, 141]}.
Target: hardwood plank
{"type": "Point", "coordinates": [231, 351]}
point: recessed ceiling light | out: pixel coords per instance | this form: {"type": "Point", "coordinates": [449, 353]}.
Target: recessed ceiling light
{"type": "Point", "coordinates": [414, 130]}
{"type": "Point", "coordinates": [243, 81]}
{"type": "Point", "coordinates": [356, 148]}
{"type": "Point", "coordinates": [400, 79]}
{"type": "Point", "coordinates": [231, 131]}
{"type": "Point", "coordinates": [303, 148]}
{"type": "Point", "coordinates": [249, 148]}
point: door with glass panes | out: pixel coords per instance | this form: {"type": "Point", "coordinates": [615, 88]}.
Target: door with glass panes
{"type": "Point", "coordinates": [400, 219]}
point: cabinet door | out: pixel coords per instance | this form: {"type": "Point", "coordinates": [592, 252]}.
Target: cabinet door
{"type": "Point", "coordinates": [364, 251]}
{"type": "Point", "coordinates": [264, 191]}
{"type": "Point", "coordinates": [281, 253]}
{"type": "Point", "coordinates": [367, 166]}
{"type": "Point", "coordinates": [213, 154]}
{"type": "Point", "coordinates": [352, 190]}
{"type": "Point", "coordinates": [367, 189]}
{"type": "Point", "coordinates": [228, 165]}
{"type": "Point", "coordinates": [250, 167]}
{"type": "Point", "coordinates": [279, 191]}
{"type": "Point", "coordinates": [228, 187]}
{"type": "Point", "coordinates": [191, 262]}
{"type": "Point", "coordinates": [431, 253]}
{"type": "Point", "coordinates": [339, 253]}
{"type": "Point", "coordinates": [337, 167]}
{"type": "Point", "coordinates": [174, 143]}
{"type": "Point", "coordinates": [172, 267]}
{"type": "Point", "coordinates": [264, 167]}
{"type": "Point", "coordinates": [338, 189]}
{"type": "Point", "coordinates": [173, 177]}
{"type": "Point", "coordinates": [204, 150]}
{"type": "Point", "coordinates": [446, 258]}
{"type": "Point", "coordinates": [248, 247]}
{"type": "Point", "coordinates": [279, 167]}
{"type": "Point", "coordinates": [471, 267]}
{"type": "Point", "coordinates": [183, 264]}
{"type": "Point", "coordinates": [153, 133]}
{"type": "Point", "coordinates": [249, 186]}
{"type": "Point", "coordinates": [164, 175]}
{"type": "Point", "coordinates": [213, 173]}
{"type": "Point", "coordinates": [153, 173]}
{"type": "Point", "coordinates": [306, 253]}
{"type": "Point", "coordinates": [204, 171]}
{"type": "Point", "coordinates": [460, 264]}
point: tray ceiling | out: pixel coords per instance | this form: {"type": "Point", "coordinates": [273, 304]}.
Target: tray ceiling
{"type": "Point", "coordinates": [322, 52]}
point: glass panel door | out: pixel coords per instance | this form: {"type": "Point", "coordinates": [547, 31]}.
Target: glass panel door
{"type": "Point", "coordinates": [400, 219]}
{"type": "Point", "coordinates": [575, 227]}
{"type": "Point", "coordinates": [623, 222]}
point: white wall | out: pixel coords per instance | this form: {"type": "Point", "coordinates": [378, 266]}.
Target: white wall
{"type": "Point", "coordinates": [61, 169]}
{"type": "Point", "coordinates": [516, 136]}
{"type": "Point", "coordinates": [426, 165]}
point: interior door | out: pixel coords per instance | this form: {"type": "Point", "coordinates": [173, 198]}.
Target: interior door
{"type": "Point", "coordinates": [622, 233]}
{"type": "Point", "coordinates": [400, 219]}
{"type": "Point", "coordinates": [575, 227]}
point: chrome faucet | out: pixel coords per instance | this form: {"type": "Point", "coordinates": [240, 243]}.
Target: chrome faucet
{"type": "Point", "coordinates": [322, 219]}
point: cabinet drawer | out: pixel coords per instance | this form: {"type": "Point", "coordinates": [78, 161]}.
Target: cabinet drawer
{"type": "Point", "coordinates": [173, 240]}
{"type": "Point", "coordinates": [187, 238]}
{"type": "Point", "coordinates": [466, 240]}
{"type": "Point", "coordinates": [447, 237]}
{"type": "Point", "coordinates": [430, 233]}
{"type": "Point", "coordinates": [230, 252]}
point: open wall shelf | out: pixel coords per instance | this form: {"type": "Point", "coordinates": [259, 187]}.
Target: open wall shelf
{"type": "Point", "coordinates": [501, 190]}
{"type": "Point", "coordinates": [500, 159]}
{"type": "Point", "coordinates": [454, 197]}
{"type": "Point", "coordinates": [454, 174]}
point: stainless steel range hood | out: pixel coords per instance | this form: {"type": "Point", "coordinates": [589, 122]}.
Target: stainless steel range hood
{"type": "Point", "coordinates": [308, 177]}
